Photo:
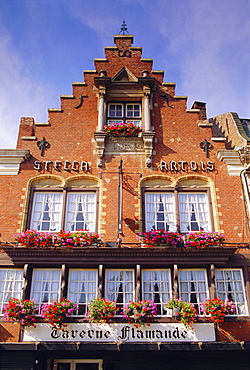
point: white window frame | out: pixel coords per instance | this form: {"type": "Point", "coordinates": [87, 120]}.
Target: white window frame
{"type": "Point", "coordinates": [10, 286]}
{"type": "Point", "coordinates": [164, 294]}
{"type": "Point", "coordinates": [137, 120]}
{"type": "Point", "coordinates": [133, 116]}
{"type": "Point", "coordinates": [151, 211]}
{"type": "Point", "coordinates": [235, 291]}
{"type": "Point", "coordinates": [197, 282]}
{"type": "Point", "coordinates": [115, 116]}
{"type": "Point", "coordinates": [113, 294]}
{"type": "Point", "coordinates": [89, 295]}
{"type": "Point", "coordinates": [173, 210]}
{"type": "Point", "coordinates": [66, 214]}
{"type": "Point", "coordinates": [52, 294]}
{"type": "Point", "coordinates": [89, 213]}
{"type": "Point", "coordinates": [38, 212]}
{"type": "Point", "coordinates": [74, 362]}
{"type": "Point", "coordinates": [197, 211]}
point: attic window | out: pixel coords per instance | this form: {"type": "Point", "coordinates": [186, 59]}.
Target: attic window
{"type": "Point", "coordinates": [124, 112]}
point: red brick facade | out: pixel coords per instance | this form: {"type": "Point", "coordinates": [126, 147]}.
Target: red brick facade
{"type": "Point", "coordinates": [171, 153]}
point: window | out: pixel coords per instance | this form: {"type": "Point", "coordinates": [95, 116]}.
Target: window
{"type": "Point", "coordinates": [229, 285]}
{"type": "Point", "coordinates": [78, 364]}
{"type": "Point", "coordinates": [120, 286]}
{"type": "Point", "coordinates": [82, 288]}
{"type": "Point", "coordinates": [45, 285]}
{"type": "Point", "coordinates": [80, 211]}
{"type": "Point", "coordinates": [172, 211]}
{"type": "Point", "coordinates": [124, 112]}
{"type": "Point", "coordinates": [11, 284]}
{"type": "Point", "coordinates": [193, 209]}
{"type": "Point", "coordinates": [47, 211]}
{"type": "Point", "coordinates": [156, 286]}
{"type": "Point", "coordinates": [193, 286]}
{"type": "Point", "coordinates": [160, 212]}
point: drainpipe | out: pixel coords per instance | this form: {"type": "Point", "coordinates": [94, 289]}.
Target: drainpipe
{"type": "Point", "coordinates": [120, 202]}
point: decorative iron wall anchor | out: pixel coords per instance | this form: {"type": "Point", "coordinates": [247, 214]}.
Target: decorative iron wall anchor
{"type": "Point", "coordinates": [165, 97]}
{"type": "Point", "coordinates": [206, 146]}
{"type": "Point", "coordinates": [43, 145]}
{"type": "Point", "coordinates": [81, 100]}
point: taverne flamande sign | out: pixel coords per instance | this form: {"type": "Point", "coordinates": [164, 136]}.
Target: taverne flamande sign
{"type": "Point", "coordinates": [121, 333]}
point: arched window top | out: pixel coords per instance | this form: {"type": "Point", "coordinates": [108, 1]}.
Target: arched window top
{"type": "Point", "coordinates": [82, 182]}
{"type": "Point", "coordinates": [193, 182]}
{"type": "Point", "coordinates": [47, 181]}
{"type": "Point", "coordinates": [157, 182]}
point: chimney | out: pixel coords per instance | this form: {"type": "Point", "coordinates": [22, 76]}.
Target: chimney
{"type": "Point", "coordinates": [202, 107]}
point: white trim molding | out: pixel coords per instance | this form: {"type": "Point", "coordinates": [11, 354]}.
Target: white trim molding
{"type": "Point", "coordinates": [232, 160]}
{"type": "Point", "coordinates": [10, 160]}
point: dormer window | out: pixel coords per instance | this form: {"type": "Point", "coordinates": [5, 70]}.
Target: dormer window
{"type": "Point", "coordinates": [124, 112]}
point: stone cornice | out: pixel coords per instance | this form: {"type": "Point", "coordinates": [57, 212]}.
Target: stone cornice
{"type": "Point", "coordinates": [10, 160]}
{"type": "Point", "coordinates": [161, 256]}
{"type": "Point", "coordinates": [232, 160]}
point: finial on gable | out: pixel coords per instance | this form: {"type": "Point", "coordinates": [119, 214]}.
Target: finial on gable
{"type": "Point", "coordinates": [124, 29]}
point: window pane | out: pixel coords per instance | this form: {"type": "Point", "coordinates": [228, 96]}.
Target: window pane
{"type": "Point", "coordinates": [193, 286]}
{"type": "Point", "coordinates": [11, 283]}
{"type": "Point", "coordinates": [120, 286]}
{"type": "Point", "coordinates": [81, 211]}
{"type": "Point", "coordinates": [82, 288]}
{"type": "Point", "coordinates": [133, 110]}
{"type": "Point", "coordinates": [194, 215]}
{"type": "Point", "coordinates": [87, 366]}
{"type": "Point", "coordinates": [156, 287]}
{"type": "Point", "coordinates": [159, 208]}
{"type": "Point", "coordinates": [115, 110]}
{"type": "Point", "coordinates": [45, 286]}
{"type": "Point", "coordinates": [231, 288]}
{"type": "Point", "coordinates": [136, 122]}
{"type": "Point", "coordinates": [46, 211]}
{"type": "Point", "coordinates": [63, 366]}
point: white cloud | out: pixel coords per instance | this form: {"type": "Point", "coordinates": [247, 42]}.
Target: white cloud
{"type": "Point", "coordinates": [20, 93]}
{"type": "Point", "coordinates": [207, 43]}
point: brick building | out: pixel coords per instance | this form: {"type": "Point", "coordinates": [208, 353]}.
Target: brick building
{"type": "Point", "coordinates": [183, 172]}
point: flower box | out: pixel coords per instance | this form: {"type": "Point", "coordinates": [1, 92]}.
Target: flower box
{"type": "Point", "coordinates": [122, 129]}
{"type": "Point", "coordinates": [101, 310]}
{"type": "Point", "coordinates": [22, 311]}
{"type": "Point", "coordinates": [216, 309]}
{"type": "Point", "coordinates": [160, 238]}
{"type": "Point", "coordinates": [139, 312]}
{"type": "Point", "coordinates": [58, 311]}
{"type": "Point", "coordinates": [185, 312]}
{"type": "Point", "coordinates": [203, 239]}
{"type": "Point", "coordinates": [67, 239]}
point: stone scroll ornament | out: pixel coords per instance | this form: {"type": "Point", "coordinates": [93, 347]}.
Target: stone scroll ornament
{"type": "Point", "coordinates": [125, 53]}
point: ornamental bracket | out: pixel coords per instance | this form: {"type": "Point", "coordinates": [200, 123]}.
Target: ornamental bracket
{"type": "Point", "coordinates": [148, 138]}
{"type": "Point", "coordinates": [100, 138]}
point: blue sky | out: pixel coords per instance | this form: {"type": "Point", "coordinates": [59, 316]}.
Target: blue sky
{"type": "Point", "coordinates": [202, 45]}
